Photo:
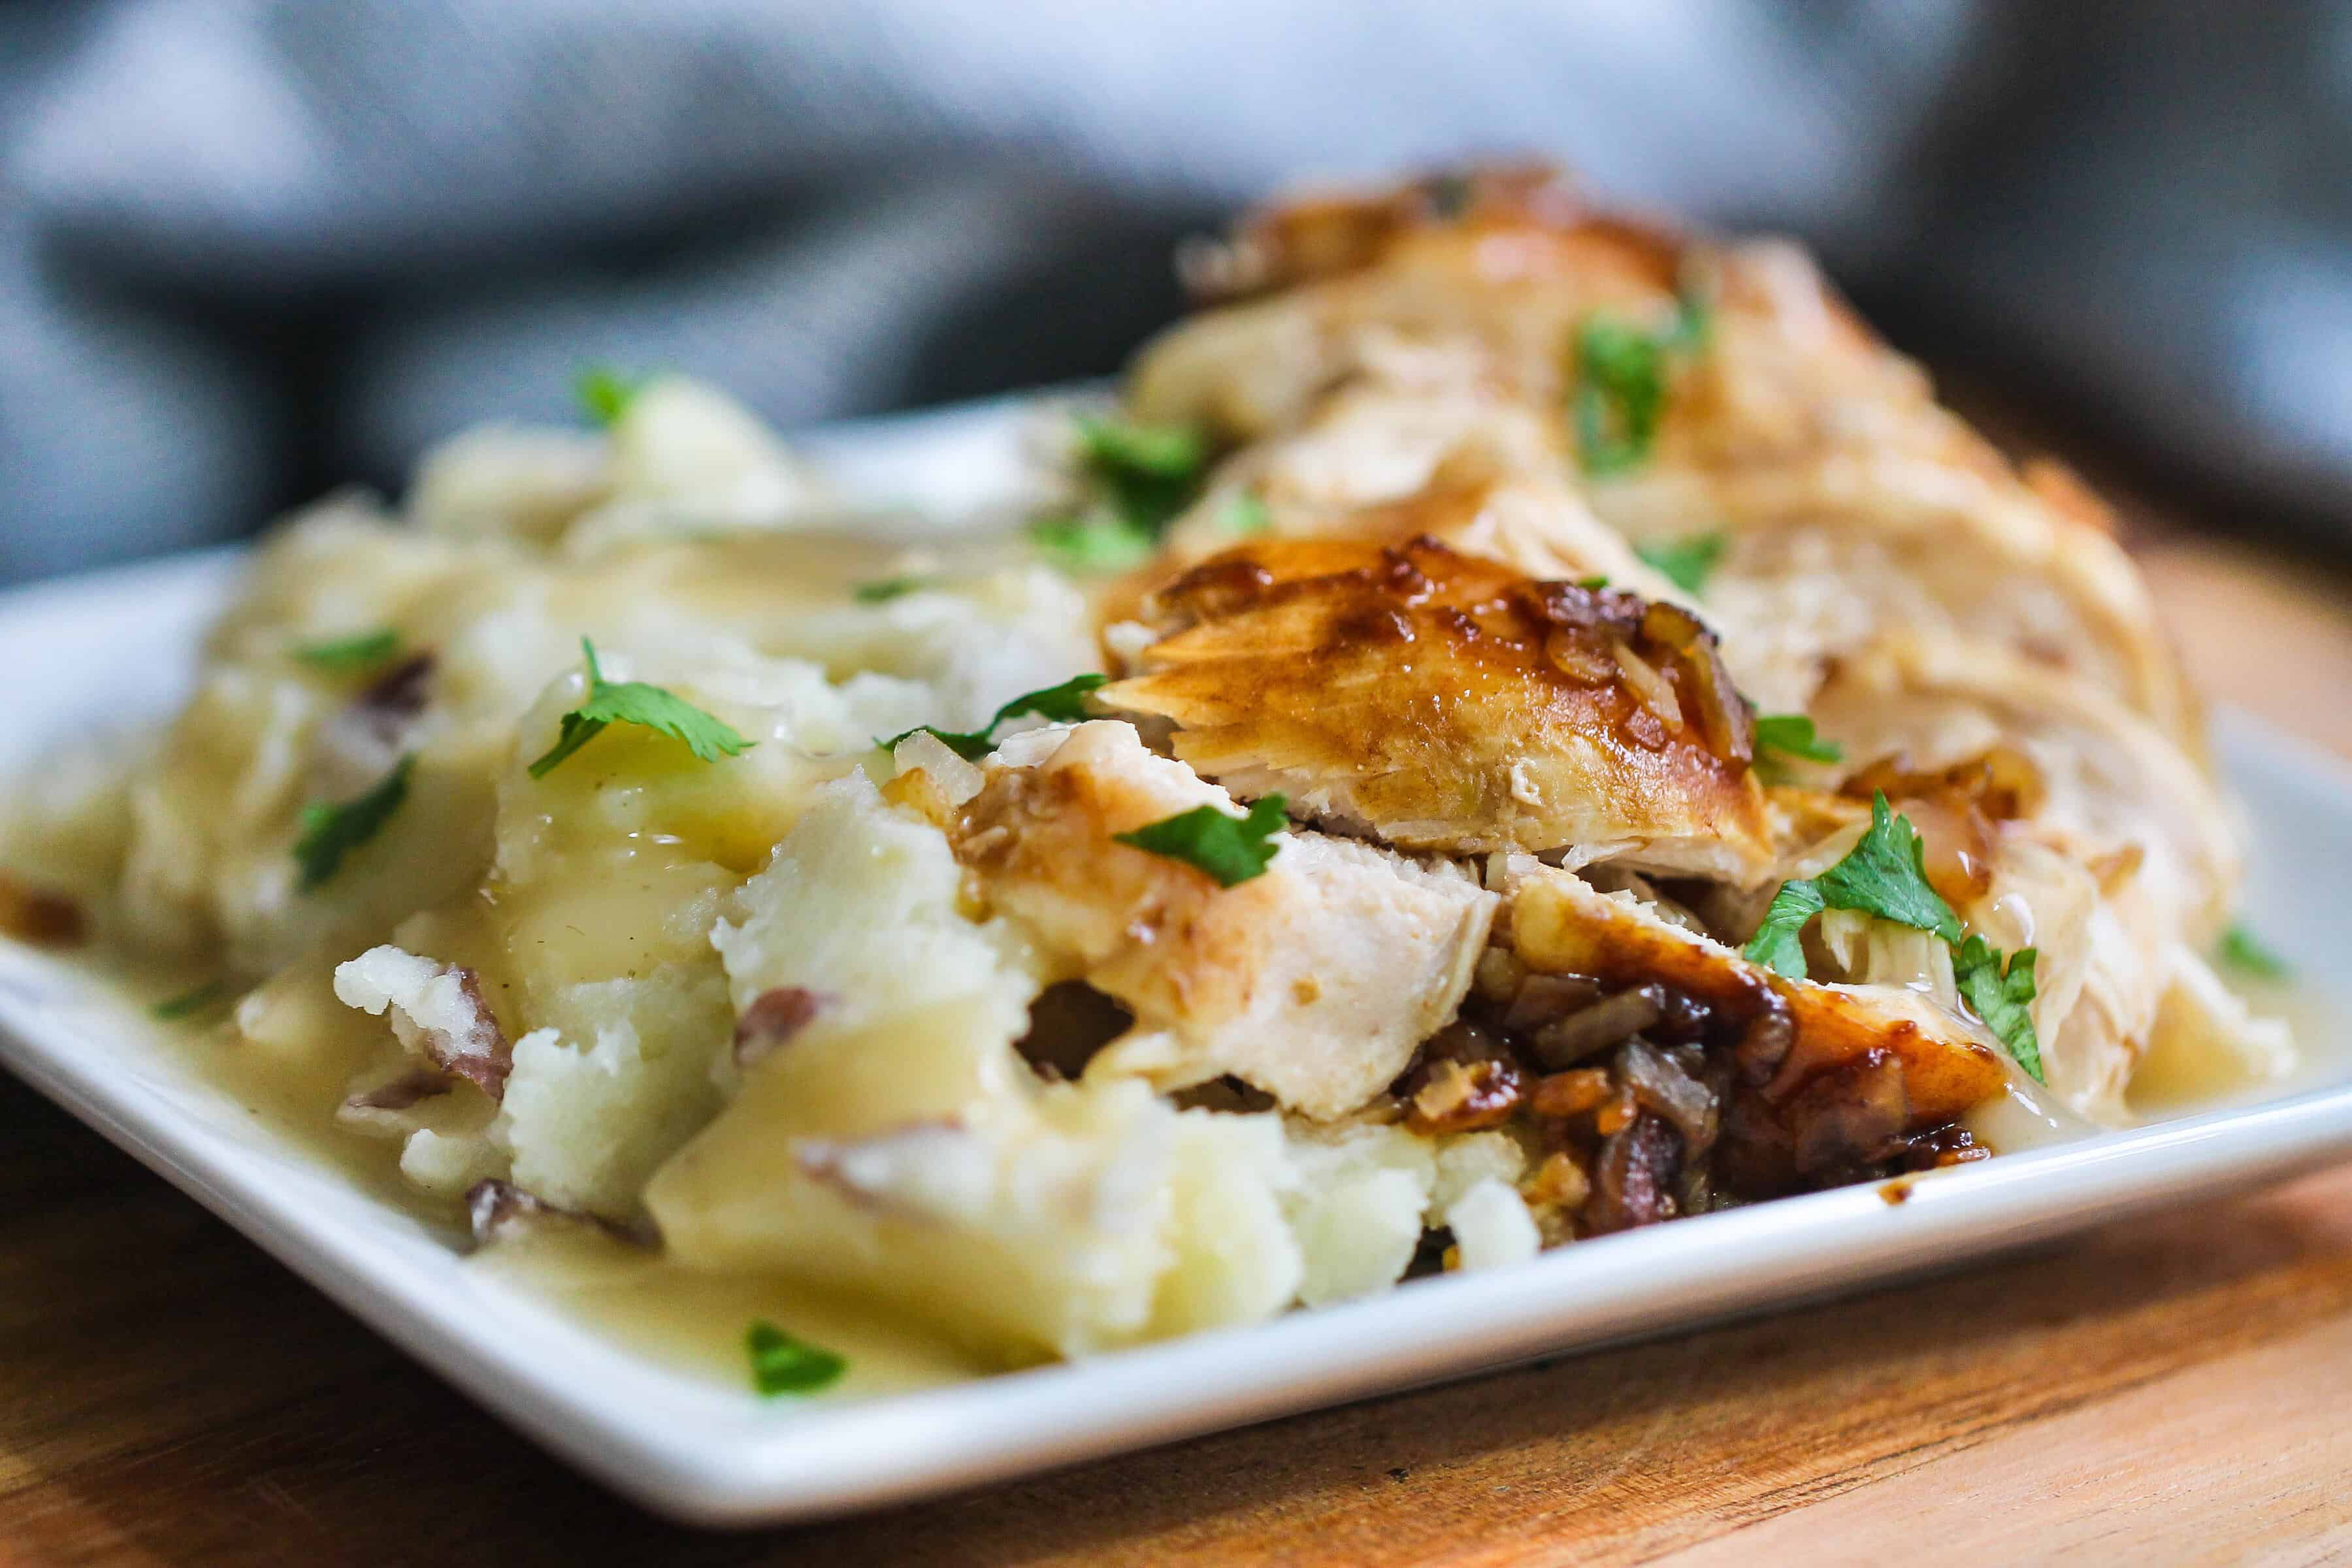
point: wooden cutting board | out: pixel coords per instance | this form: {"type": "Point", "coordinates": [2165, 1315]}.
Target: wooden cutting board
{"type": "Point", "coordinates": [2169, 1390]}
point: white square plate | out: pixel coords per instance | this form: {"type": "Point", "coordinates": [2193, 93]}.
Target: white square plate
{"type": "Point", "coordinates": [117, 647]}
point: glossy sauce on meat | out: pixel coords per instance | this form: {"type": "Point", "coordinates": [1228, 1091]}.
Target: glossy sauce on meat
{"type": "Point", "coordinates": [1439, 702]}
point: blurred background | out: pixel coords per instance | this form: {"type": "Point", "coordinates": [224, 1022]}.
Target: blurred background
{"type": "Point", "coordinates": [249, 248]}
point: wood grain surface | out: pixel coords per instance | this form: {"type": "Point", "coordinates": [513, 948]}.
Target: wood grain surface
{"type": "Point", "coordinates": [2169, 1390]}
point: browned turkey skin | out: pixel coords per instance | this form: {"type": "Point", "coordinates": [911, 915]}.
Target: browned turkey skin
{"type": "Point", "coordinates": [1441, 702]}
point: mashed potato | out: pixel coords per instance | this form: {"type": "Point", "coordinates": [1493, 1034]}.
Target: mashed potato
{"type": "Point", "coordinates": [547, 983]}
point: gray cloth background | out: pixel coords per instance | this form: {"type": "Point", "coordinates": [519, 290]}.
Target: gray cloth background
{"type": "Point", "coordinates": [251, 246]}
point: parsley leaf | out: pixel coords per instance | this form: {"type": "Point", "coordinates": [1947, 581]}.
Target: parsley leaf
{"type": "Point", "coordinates": [1778, 944]}
{"type": "Point", "coordinates": [1694, 327]}
{"type": "Point", "coordinates": [1793, 735]}
{"type": "Point", "coordinates": [361, 651]}
{"type": "Point", "coordinates": [1593, 584]}
{"type": "Point", "coordinates": [1245, 516]}
{"type": "Point", "coordinates": [1686, 562]}
{"type": "Point", "coordinates": [1151, 472]}
{"type": "Point", "coordinates": [2242, 949]}
{"type": "Point", "coordinates": [606, 393]}
{"type": "Point", "coordinates": [2000, 997]}
{"type": "Point", "coordinates": [1159, 451]}
{"type": "Point", "coordinates": [969, 744]}
{"type": "Point", "coordinates": [1063, 704]}
{"type": "Point", "coordinates": [190, 1004]}
{"type": "Point", "coordinates": [1092, 543]}
{"type": "Point", "coordinates": [1140, 477]}
{"type": "Point", "coordinates": [1620, 384]}
{"type": "Point", "coordinates": [1620, 391]}
{"type": "Point", "coordinates": [1232, 849]}
{"type": "Point", "coordinates": [1448, 196]}
{"type": "Point", "coordinates": [1886, 875]}
{"type": "Point", "coordinates": [782, 1364]}
{"type": "Point", "coordinates": [332, 832]}
{"type": "Point", "coordinates": [634, 702]}
{"type": "Point", "coordinates": [883, 590]}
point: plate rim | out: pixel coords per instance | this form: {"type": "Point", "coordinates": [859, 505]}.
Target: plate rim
{"type": "Point", "coordinates": [823, 1460]}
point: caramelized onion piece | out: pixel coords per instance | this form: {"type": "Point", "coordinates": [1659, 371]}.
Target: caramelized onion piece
{"type": "Point", "coordinates": [1577, 660]}
{"type": "Point", "coordinates": [1567, 1041]}
{"type": "Point", "coordinates": [1725, 719]}
{"type": "Point", "coordinates": [1764, 1043]}
{"type": "Point", "coordinates": [1571, 1093]}
{"type": "Point", "coordinates": [2001, 782]}
{"type": "Point", "coordinates": [1850, 1116]}
{"type": "Point", "coordinates": [1499, 975]}
{"type": "Point", "coordinates": [1541, 998]}
{"type": "Point", "coordinates": [1662, 1086]}
{"type": "Point", "coordinates": [1687, 1020]}
{"type": "Point", "coordinates": [1672, 625]}
{"type": "Point", "coordinates": [1466, 1097]}
{"type": "Point", "coordinates": [1558, 1182]}
{"type": "Point", "coordinates": [1634, 1179]}
{"type": "Point", "coordinates": [1643, 678]}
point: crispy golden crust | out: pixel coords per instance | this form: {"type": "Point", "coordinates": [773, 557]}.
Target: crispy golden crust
{"type": "Point", "coordinates": [1441, 701]}
{"type": "Point", "coordinates": [1533, 206]}
{"type": "Point", "coordinates": [1852, 502]}
{"type": "Point", "coordinates": [1514, 272]}
{"type": "Point", "coordinates": [1530, 524]}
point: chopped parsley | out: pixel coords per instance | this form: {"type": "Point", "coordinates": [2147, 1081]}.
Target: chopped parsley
{"type": "Point", "coordinates": [1686, 562]}
{"type": "Point", "coordinates": [1093, 544]}
{"type": "Point", "coordinates": [2001, 998]}
{"type": "Point", "coordinates": [1063, 704]}
{"type": "Point", "coordinates": [1232, 849]}
{"type": "Point", "coordinates": [1148, 472]}
{"type": "Point", "coordinates": [1139, 477]}
{"type": "Point", "coordinates": [2242, 950]}
{"type": "Point", "coordinates": [1449, 195]}
{"type": "Point", "coordinates": [1792, 734]}
{"type": "Point", "coordinates": [606, 393]}
{"type": "Point", "coordinates": [1117, 448]}
{"type": "Point", "coordinates": [888, 588]}
{"type": "Point", "coordinates": [330, 831]}
{"type": "Point", "coordinates": [784, 1365]}
{"type": "Point", "coordinates": [634, 702]}
{"type": "Point", "coordinates": [1778, 944]}
{"type": "Point", "coordinates": [1885, 874]}
{"type": "Point", "coordinates": [363, 650]}
{"type": "Point", "coordinates": [1621, 372]}
{"type": "Point", "coordinates": [190, 1004]}
{"type": "Point", "coordinates": [1245, 516]}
